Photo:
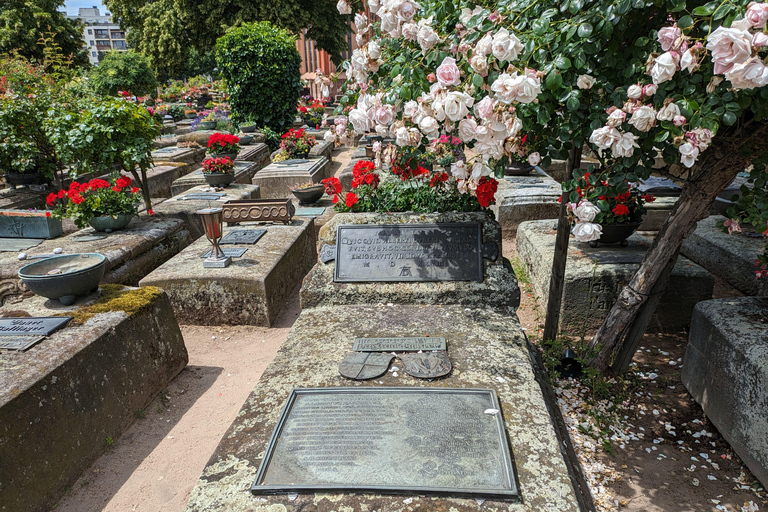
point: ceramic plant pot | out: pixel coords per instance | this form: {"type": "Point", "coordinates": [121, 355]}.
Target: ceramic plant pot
{"type": "Point", "coordinates": [207, 125]}
{"type": "Point", "coordinates": [65, 277]}
{"type": "Point", "coordinates": [219, 179]}
{"type": "Point", "coordinates": [109, 224]}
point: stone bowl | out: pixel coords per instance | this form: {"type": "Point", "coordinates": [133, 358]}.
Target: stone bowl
{"type": "Point", "coordinates": [219, 179]}
{"type": "Point", "coordinates": [309, 195]}
{"type": "Point", "coordinates": [65, 277]}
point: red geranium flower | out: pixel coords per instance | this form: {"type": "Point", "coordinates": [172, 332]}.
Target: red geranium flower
{"type": "Point", "coordinates": [47, 214]}
{"type": "Point", "coordinates": [351, 199]}
{"type": "Point", "coordinates": [648, 198]}
{"type": "Point", "coordinates": [97, 183]}
{"type": "Point", "coordinates": [51, 198]}
{"type": "Point", "coordinates": [332, 186]}
{"type": "Point", "coordinates": [620, 209]}
{"type": "Point", "coordinates": [135, 190]}
{"type": "Point", "coordinates": [486, 191]}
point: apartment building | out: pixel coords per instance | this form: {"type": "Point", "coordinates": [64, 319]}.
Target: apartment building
{"type": "Point", "coordinates": [100, 33]}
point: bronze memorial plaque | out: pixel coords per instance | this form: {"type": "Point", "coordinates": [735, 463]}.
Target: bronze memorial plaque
{"type": "Point", "coordinates": [409, 252]}
{"type": "Point", "coordinates": [365, 365]}
{"type": "Point", "coordinates": [427, 365]}
{"type": "Point", "coordinates": [411, 344]}
{"type": "Point", "coordinates": [438, 441]}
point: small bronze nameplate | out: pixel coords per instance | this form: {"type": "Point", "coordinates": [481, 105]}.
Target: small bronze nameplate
{"type": "Point", "coordinates": [28, 326]}
{"type": "Point", "coordinates": [412, 344]}
{"type": "Point", "coordinates": [260, 210]}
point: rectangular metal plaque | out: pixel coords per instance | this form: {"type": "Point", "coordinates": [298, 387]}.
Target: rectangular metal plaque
{"type": "Point", "coordinates": [243, 236]}
{"type": "Point", "coordinates": [19, 244]}
{"type": "Point", "coordinates": [411, 344]}
{"type": "Point", "coordinates": [232, 252]}
{"type": "Point", "coordinates": [409, 252]}
{"type": "Point", "coordinates": [42, 326]}
{"type": "Point", "coordinates": [18, 343]}
{"type": "Point", "coordinates": [316, 211]}
{"type": "Point", "coordinates": [615, 256]}
{"type": "Point", "coordinates": [202, 197]}
{"type": "Point", "coordinates": [393, 440]}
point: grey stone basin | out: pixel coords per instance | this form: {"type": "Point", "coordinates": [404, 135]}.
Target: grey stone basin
{"type": "Point", "coordinates": [64, 277]}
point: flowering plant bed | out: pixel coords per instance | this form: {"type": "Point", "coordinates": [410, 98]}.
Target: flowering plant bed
{"type": "Point", "coordinates": [218, 165]}
{"type": "Point", "coordinates": [96, 198]}
{"type": "Point", "coordinates": [219, 143]}
{"type": "Point", "coordinates": [297, 143]}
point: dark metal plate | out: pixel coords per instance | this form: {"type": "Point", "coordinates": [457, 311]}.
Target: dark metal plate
{"type": "Point", "coordinates": [232, 252]}
{"type": "Point", "coordinates": [409, 252]}
{"type": "Point", "coordinates": [615, 256]}
{"type": "Point", "coordinates": [438, 441]}
{"type": "Point", "coordinates": [243, 236]}
{"type": "Point", "coordinates": [410, 344]}
{"type": "Point", "coordinates": [365, 365]}
{"type": "Point", "coordinates": [202, 197]}
{"type": "Point", "coordinates": [18, 343]}
{"type": "Point", "coordinates": [42, 326]}
{"type": "Point", "coordinates": [428, 365]}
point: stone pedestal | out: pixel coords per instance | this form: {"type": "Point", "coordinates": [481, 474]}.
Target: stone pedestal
{"type": "Point", "coordinates": [499, 289]}
{"type": "Point", "coordinates": [594, 278]}
{"type": "Point", "coordinates": [250, 291]}
{"type": "Point", "coordinates": [189, 156]}
{"type": "Point", "coordinates": [257, 153]}
{"type": "Point", "coordinates": [274, 179]}
{"type": "Point", "coordinates": [322, 148]}
{"type": "Point", "coordinates": [726, 371]}
{"type": "Point", "coordinates": [522, 198]}
{"type": "Point", "coordinates": [486, 350]}
{"type": "Point", "coordinates": [131, 252]}
{"type": "Point", "coordinates": [346, 175]}
{"type": "Point", "coordinates": [244, 172]}
{"type": "Point", "coordinates": [657, 212]}
{"type": "Point", "coordinates": [185, 209]}
{"type": "Point", "coordinates": [731, 257]}
{"type": "Point", "coordinates": [63, 398]}
{"type": "Point", "coordinates": [161, 176]}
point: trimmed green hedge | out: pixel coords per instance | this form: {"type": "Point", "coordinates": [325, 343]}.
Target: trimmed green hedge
{"type": "Point", "coordinates": [261, 66]}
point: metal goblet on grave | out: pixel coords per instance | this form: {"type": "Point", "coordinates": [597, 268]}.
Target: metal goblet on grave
{"type": "Point", "coordinates": [213, 226]}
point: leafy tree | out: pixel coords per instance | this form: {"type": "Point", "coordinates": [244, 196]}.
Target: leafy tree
{"type": "Point", "coordinates": [23, 23]}
{"type": "Point", "coordinates": [123, 71]}
{"type": "Point", "coordinates": [261, 67]}
{"type": "Point", "coordinates": [166, 30]}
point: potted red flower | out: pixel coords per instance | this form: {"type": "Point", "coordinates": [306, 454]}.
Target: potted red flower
{"type": "Point", "coordinates": [219, 171]}
{"type": "Point", "coordinates": [297, 143]}
{"type": "Point", "coordinates": [223, 145]}
{"type": "Point", "coordinates": [105, 206]}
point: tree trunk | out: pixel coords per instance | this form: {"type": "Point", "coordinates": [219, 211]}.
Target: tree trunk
{"type": "Point", "coordinates": [711, 176]}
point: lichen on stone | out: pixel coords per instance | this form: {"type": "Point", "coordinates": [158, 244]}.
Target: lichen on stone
{"type": "Point", "coordinates": [116, 297]}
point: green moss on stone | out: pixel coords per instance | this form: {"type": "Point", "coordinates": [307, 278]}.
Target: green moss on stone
{"type": "Point", "coordinates": [116, 297]}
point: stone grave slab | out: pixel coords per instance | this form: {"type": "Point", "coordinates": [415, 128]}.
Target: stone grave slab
{"type": "Point", "coordinates": [522, 198]}
{"type": "Point", "coordinates": [594, 278]}
{"type": "Point", "coordinates": [498, 289]}
{"type": "Point", "coordinates": [251, 290]}
{"type": "Point", "coordinates": [131, 253]}
{"type": "Point", "coordinates": [657, 212]}
{"type": "Point", "coordinates": [388, 439]}
{"type": "Point", "coordinates": [710, 247]}
{"type": "Point", "coordinates": [275, 178]}
{"type": "Point", "coordinates": [322, 148]}
{"type": "Point", "coordinates": [257, 153]}
{"type": "Point", "coordinates": [28, 224]}
{"type": "Point", "coordinates": [62, 398]}
{"type": "Point", "coordinates": [161, 176]}
{"type": "Point", "coordinates": [488, 351]}
{"type": "Point", "coordinates": [186, 209]}
{"type": "Point", "coordinates": [23, 198]}
{"type": "Point", "coordinates": [189, 156]}
{"type": "Point", "coordinates": [726, 372]}
{"type": "Point", "coordinates": [244, 171]}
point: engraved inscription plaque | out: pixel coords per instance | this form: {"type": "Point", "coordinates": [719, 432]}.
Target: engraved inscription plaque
{"type": "Point", "coordinates": [232, 252]}
{"type": "Point", "coordinates": [364, 366]}
{"type": "Point", "coordinates": [435, 441]}
{"type": "Point", "coordinates": [42, 326]}
{"type": "Point", "coordinates": [18, 343]}
{"type": "Point", "coordinates": [398, 344]}
{"type": "Point", "coordinates": [427, 365]}
{"type": "Point", "coordinates": [243, 236]}
{"type": "Point", "coordinates": [409, 252]}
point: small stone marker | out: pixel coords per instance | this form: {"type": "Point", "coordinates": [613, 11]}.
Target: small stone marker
{"type": "Point", "coordinates": [428, 365]}
{"type": "Point", "coordinates": [365, 365]}
{"type": "Point", "coordinates": [410, 344]}
{"type": "Point", "coordinates": [232, 252]}
{"type": "Point", "coordinates": [411, 252]}
{"type": "Point", "coordinates": [41, 326]}
{"type": "Point", "coordinates": [18, 343]}
{"type": "Point", "coordinates": [243, 236]}
{"type": "Point", "coordinates": [437, 441]}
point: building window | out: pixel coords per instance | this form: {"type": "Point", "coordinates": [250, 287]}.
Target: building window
{"type": "Point", "coordinates": [119, 45]}
{"type": "Point", "coordinates": [94, 54]}
{"type": "Point", "coordinates": [90, 31]}
{"type": "Point", "coordinates": [92, 43]}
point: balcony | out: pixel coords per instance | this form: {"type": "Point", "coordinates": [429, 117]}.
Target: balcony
{"type": "Point", "coordinates": [117, 34]}
{"type": "Point", "coordinates": [104, 34]}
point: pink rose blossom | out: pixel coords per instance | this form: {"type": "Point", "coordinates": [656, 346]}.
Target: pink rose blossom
{"type": "Point", "coordinates": [729, 47]}
{"type": "Point", "coordinates": [760, 40]}
{"type": "Point", "coordinates": [484, 108]}
{"type": "Point", "coordinates": [732, 225]}
{"type": "Point", "coordinates": [431, 78]}
{"type": "Point", "coordinates": [757, 14]}
{"type": "Point", "coordinates": [679, 120]}
{"type": "Point", "coordinates": [448, 73]}
{"type": "Point", "coordinates": [667, 37]}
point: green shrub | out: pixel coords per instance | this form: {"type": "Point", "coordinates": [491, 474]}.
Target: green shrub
{"type": "Point", "coordinates": [124, 71]}
{"type": "Point", "coordinates": [262, 68]}
{"type": "Point", "coordinates": [273, 138]}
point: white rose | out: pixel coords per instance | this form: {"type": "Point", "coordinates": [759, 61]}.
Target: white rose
{"type": "Point", "coordinates": [615, 118]}
{"type": "Point", "coordinates": [668, 36]}
{"type": "Point", "coordinates": [585, 81]}
{"type": "Point", "coordinates": [668, 112]}
{"type": "Point", "coordinates": [484, 45]}
{"type": "Point", "coordinates": [459, 170]}
{"type": "Point", "coordinates": [634, 92]}
{"type": "Point", "coordinates": [757, 14]}
{"type": "Point", "coordinates": [465, 15]}
{"type": "Point", "coordinates": [329, 136]}
{"type": "Point", "coordinates": [361, 22]}
{"type": "Point", "coordinates": [456, 105]}
{"type": "Point", "coordinates": [448, 73]}
{"type": "Point", "coordinates": [479, 65]}
{"type": "Point", "coordinates": [414, 136]}
{"type": "Point", "coordinates": [490, 147]}
{"type": "Point", "coordinates": [427, 38]}
{"type": "Point", "coordinates": [505, 46]}
{"type": "Point", "coordinates": [643, 118]}
{"type": "Point", "coordinates": [467, 129]}
{"type": "Point", "coordinates": [505, 88]}
{"type": "Point", "coordinates": [664, 68]}
{"type": "Point", "coordinates": [373, 5]}
{"type": "Point", "coordinates": [605, 137]}
{"type": "Point", "coordinates": [343, 7]}
{"type": "Point", "coordinates": [729, 46]}
{"type": "Point", "coordinates": [479, 169]}
{"type": "Point", "coordinates": [390, 23]}
{"type": "Point", "coordinates": [410, 31]}
{"type": "Point", "coordinates": [688, 154]}
{"type": "Point", "coordinates": [381, 130]}
{"type": "Point", "coordinates": [650, 89]}
{"type": "Point", "coordinates": [410, 108]}
{"type": "Point", "coordinates": [748, 75]}
{"type": "Point", "coordinates": [384, 115]}
{"type": "Point", "coordinates": [514, 126]}
{"type": "Point", "coordinates": [586, 211]}
{"type": "Point", "coordinates": [408, 10]}
{"type": "Point", "coordinates": [528, 87]}
{"type": "Point", "coordinates": [534, 159]}
{"type": "Point", "coordinates": [341, 121]}
{"type": "Point", "coordinates": [482, 133]}
{"type": "Point", "coordinates": [374, 50]}
{"type": "Point", "coordinates": [587, 231]}
{"type": "Point", "coordinates": [359, 120]}
{"type": "Point", "coordinates": [625, 146]}
{"type": "Point", "coordinates": [429, 127]}
{"type": "Point", "coordinates": [484, 108]}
